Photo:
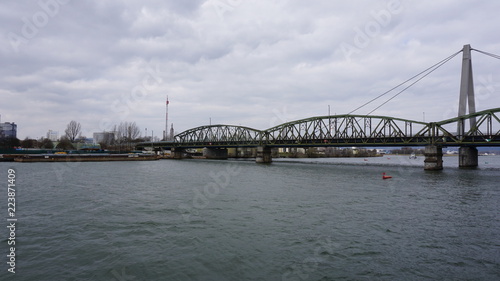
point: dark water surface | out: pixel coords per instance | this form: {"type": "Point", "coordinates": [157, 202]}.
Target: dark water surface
{"type": "Point", "coordinates": [236, 220]}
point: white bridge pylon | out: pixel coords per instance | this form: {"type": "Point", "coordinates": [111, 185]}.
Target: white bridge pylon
{"type": "Point", "coordinates": [466, 91]}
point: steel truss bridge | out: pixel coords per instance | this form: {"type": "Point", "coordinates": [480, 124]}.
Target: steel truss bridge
{"type": "Point", "coordinates": [346, 131]}
{"type": "Point", "coordinates": [466, 131]}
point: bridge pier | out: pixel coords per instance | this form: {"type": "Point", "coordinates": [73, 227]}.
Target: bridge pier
{"type": "Point", "coordinates": [467, 157]}
{"type": "Point", "coordinates": [433, 158]}
{"type": "Point", "coordinates": [263, 155]}
{"type": "Point", "coordinates": [215, 153]}
{"type": "Point", "coordinates": [177, 152]}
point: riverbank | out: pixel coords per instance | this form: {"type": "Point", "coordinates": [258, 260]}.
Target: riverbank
{"type": "Point", "coordinates": [76, 157]}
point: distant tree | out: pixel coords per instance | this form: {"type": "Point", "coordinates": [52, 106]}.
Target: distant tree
{"type": "Point", "coordinates": [130, 130]}
{"type": "Point", "coordinates": [9, 142]}
{"type": "Point", "coordinates": [408, 150]}
{"type": "Point", "coordinates": [103, 145]}
{"type": "Point", "coordinates": [109, 138]}
{"type": "Point", "coordinates": [16, 142]}
{"type": "Point", "coordinates": [126, 133]}
{"type": "Point", "coordinates": [312, 152]}
{"type": "Point", "coordinates": [47, 143]}
{"type": "Point", "coordinates": [30, 143]}
{"type": "Point", "coordinates": [73, 130]}
{"type": "Point", "coordinates": [65, 144]}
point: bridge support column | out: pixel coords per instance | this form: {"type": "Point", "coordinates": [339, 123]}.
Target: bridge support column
{"type": "Point", "coordinates": [177, 153]}
{"type": "Point", "coordinates": [263, 155]}
{"type": "Point", "coordinates": [467, 157]}
{"type": "Point", "coordinates": [433, 158]}
{"type": "Point", "coordinates": [215, 153]}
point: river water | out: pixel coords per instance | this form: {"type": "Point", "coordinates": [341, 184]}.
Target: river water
{"type": "Point", "coordinates": [303, 219]}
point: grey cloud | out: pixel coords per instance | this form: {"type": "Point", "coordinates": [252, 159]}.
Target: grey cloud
{"type": "Point", "coordinates": [245, 64]}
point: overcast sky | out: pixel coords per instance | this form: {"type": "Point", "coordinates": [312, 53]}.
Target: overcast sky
{"type": "Point", "coordinates": [252, 63]}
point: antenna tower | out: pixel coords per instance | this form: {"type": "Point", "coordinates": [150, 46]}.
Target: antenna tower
{"type": "Point", "coordinates": [165, 137]}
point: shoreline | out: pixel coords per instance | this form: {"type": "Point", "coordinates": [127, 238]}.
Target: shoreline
{"type": "Point", "coordinates": [32, 158]}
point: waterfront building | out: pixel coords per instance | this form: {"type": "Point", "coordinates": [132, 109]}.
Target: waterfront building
{"type": "Point", "coordinates": [53, 135]}
{"type": "Point", "coordinates": [104, 137]}
{"type": "Point", "coordinates": [8, 130]}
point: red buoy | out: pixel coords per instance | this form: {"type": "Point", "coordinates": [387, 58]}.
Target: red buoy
{"type": "Point", "coordinates": [385, 177]}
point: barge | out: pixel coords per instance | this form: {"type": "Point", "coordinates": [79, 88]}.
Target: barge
{"type": "Point", "coordinates": [77, 157]}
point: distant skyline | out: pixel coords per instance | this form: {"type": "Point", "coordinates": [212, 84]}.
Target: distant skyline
{"type": "Point", "coordinates": [255, 64]}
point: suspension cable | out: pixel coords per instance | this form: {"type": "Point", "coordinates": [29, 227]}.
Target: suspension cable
{"type": "Point", "coordinates": [488, 54]}
{"type": "Point", "coordinates": [431, 69]}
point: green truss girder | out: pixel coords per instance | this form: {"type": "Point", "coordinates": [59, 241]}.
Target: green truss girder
{"type": "Point", "coordinates": [349, 130]}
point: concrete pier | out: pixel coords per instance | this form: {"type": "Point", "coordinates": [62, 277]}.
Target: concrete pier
{"type": "Point", "coordinates": [433, 158]}
{"type": "Point", "coordinates": [215, 153]}
{"type": "Point", "coordinates": [177, 153]}
{"type": "Point", "coordinates": [263, 155]}
{"type": "Point", "coordinates": [467, 157]}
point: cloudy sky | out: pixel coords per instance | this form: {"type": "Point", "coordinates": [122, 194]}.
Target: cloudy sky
{"type": "Point", "coordinates": [252, 63]}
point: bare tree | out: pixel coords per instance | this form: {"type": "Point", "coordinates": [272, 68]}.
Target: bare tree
{"type": "Point", "coordinates": [126, 132]}
{"type": "Point", "coordinates": [133, 131]}
{"type": "Point", "coordinates": [73, 130]}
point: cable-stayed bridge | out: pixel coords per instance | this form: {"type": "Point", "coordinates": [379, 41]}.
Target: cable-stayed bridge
{"type": "Point", "coordinates": [467, 131]}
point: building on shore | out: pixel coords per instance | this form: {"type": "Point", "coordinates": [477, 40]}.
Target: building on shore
{"type": "Point", "coordinates": [106, 138]}
{"type": "Point", "coordinates": [53, 135]}
{"type": "Point", "coordinates": [8, 130]}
